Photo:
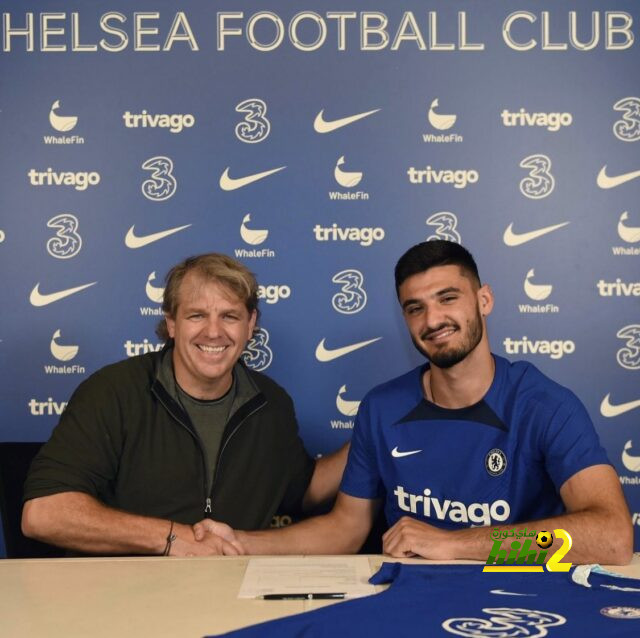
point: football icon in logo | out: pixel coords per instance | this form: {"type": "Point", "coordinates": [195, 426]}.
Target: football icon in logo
{"type": "Point", "coordinates": [544, 540]}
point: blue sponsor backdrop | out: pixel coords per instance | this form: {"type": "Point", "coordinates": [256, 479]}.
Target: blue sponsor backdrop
{"type": "Point", "coordinates": [316, 142]}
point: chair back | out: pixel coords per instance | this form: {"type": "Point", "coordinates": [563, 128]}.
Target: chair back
{"type": "Point", "coordinates": [15, 459]}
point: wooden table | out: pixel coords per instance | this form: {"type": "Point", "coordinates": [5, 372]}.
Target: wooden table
{"type": "Point", "coordinates": [150, 596]}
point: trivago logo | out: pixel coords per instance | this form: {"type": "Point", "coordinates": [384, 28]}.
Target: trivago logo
{"type": "Point", "coordinates": [520, 557]}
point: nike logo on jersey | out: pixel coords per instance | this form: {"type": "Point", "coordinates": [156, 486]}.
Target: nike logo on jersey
{"type": "Point", "coordinates": [138, 241]}
{"type": "Point", "coordinates": [604, 181]}
{"type": "Point", "coordinates": [320, 125]}
{"type": "Point", "coordinates": [515, 239]}
{"type": "Point", "coordinates": [398, 455]}
{"type": "Point", "coordinates": [502, 592]}
{"type": "Point", "coordinates": [230, 183]}
{"type": "Point", "coordinates": [609, 410]}
{"type": "Point", "coordinates": [38, 299]}
{"type": "Point", "coordinates": [324, 354]}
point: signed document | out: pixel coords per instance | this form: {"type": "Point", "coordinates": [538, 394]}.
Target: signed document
{"type": "Point", "coordinates": [346, 575]}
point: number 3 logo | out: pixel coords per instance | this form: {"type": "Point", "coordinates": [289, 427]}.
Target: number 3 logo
{"type": "Point", "coordinates": [255, 126]}
{"type": "Point", "coordinates": [67, 243]}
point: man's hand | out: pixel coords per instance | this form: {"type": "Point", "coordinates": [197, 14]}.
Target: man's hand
{"type": "Point", "coordinates": [219, 536]}
{"type": "Point", "coordinates": [409, 537]}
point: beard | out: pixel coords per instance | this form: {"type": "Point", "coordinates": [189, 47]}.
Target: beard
{"type": "Point", "coordinates": [447, 357]}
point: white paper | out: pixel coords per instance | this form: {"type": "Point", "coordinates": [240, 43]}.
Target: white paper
{"type": "Point", "coordinates": [347, 575]}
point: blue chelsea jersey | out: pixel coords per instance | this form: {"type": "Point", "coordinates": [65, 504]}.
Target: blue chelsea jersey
{"type": "Point", "coordinates": [500, 461]}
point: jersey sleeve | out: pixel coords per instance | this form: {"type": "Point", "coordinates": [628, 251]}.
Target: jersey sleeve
{"type": "Point", "coordinates": [83, 452]}
{"type": "Point", "coordinates": [362, 474]}
{"type": "Point", "coordinates": [570, 442]}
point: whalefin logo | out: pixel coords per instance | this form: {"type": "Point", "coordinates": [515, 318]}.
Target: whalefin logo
{"type": "Point", "coordinates": [321, 125]}
{"type": "Point", "coordinates": [36, 298]}
{"type": "Point", "coordinates": [348, 408]}
{"type": "Point", "coordinates": [345, 178]}
{"type": "Point", "coordinates": [228, 183]}
{"type": "Point", "coordinates": [61, 123]}
{"type": "Point", "coordinates": [62, 353]}
{"type": "Point", "coordinates": [631, 462]}
{"type": "Point", "coordinates": [538, 292]}
{"type": "Point", "coordinates": [512, 238]}
{"type": "Point", "coordinates": [155, 294]}
{"type": "Point", "coordinates": [630, 234]}
{"type": "Point", "coordinates": [439, 121]}
{"type": "Point", "coordinates": [606, 181]}
{"type": "Point", "coordinates": [628, 128]}
{"type": "Point", "coordinates": [251, 236]}
{"type": "Point", "coordinates": [138, 241]}
{"type": "Point", "coordinates": [609, 410]}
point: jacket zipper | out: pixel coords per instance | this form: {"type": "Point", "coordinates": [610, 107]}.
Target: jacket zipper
{"type": "Point", "coordinates": [207, 506]}
{"type": "Point", "coordinates": [209, 500]}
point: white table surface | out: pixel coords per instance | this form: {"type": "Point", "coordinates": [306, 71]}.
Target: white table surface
{"type": "Point", "coordinates": [147, 596]}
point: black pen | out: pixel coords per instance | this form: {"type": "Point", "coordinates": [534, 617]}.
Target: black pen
{"type": "Point", "coordinates": [330, 596]}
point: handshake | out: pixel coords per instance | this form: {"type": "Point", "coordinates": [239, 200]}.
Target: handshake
{"type": "Point", "coordinates": [205, 538]}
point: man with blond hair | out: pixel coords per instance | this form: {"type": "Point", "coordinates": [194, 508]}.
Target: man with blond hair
{"type": "Point", "coordinates": [151, 445]}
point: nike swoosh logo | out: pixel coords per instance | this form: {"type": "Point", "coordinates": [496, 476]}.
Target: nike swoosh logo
{"type": "Point", "coordinates": [604, 181]}
{"type": "Point", "coordinates": [323, 354]}
{"type": "Point", "coordinates": [38, 299]}
{"type": "Point", "coordinates": [138, 241]}
{"type": "Point", "coordinates": [320, 125]}
{"type": "Point", "coordinates": [230, 184]}
{"type": "Point", "coordinates": [509, 593]}
{"type": "Point", "coordinates": [606, 409]}
{"type": "Point", "coordinates": [398, 455]}
{"type": "Point", "coordinates": [515, 239]}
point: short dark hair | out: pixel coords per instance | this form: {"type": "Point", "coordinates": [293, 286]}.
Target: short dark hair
{"type": "Point", "coordinates": [436, 252]}
{"type": "Point", "coordinates": [214, 267]}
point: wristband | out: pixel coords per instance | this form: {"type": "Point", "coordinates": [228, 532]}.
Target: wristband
{"type": "Point", "coordinates": [170, 538]}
